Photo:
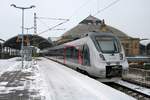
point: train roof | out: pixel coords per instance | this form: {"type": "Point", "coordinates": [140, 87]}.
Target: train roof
{"type": "Point", "coordinates": [83, 37]}
{"type": "Point", "coordinates": [93, 34]}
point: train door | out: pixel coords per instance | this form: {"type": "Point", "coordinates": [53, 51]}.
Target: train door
{"type": "Point", "coordinates": [86, 56]}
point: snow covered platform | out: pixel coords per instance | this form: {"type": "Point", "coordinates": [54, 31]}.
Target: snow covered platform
{"type": "Point", "coordinates": [66, 84]}
{"type": "Point", "coordinates": [48, 80]}
{"type": "Point", "coordinates": [17, 83]}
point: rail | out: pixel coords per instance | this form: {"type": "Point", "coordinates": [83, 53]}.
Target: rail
{"type": "Point", "coordinates": [137, 92]}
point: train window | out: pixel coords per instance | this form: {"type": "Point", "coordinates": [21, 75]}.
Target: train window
{"type": "Point", "coordinates": [108, 44]}
{"type": "Point", "coordinates": [72, 54]}
{"type": "Point", "coordinates": [86, 55]}
{"type": "Point", "coordinates": [68, 53]}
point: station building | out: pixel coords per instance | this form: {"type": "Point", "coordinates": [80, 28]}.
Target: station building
{"type": "Point", "coordinates": [91, 23]}
{"type": "Point", "coordinates": [32, 43]}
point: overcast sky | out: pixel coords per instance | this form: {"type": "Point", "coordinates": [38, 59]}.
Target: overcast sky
{"type": "Point", "coordinates": [129, 16]}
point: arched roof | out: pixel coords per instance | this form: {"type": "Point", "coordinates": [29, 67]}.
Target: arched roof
{"type": "Point", "coordinates": [145, 42]}
{"type": "Point", "coordinates": [34, 40]}
{"type": "Point", "coordinates": [2, 41]}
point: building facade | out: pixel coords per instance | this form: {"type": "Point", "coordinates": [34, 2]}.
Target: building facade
{"type": "Point", "coordinates": [131, 46]}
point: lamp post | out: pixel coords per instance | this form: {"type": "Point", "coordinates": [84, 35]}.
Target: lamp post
{"type": "Point", "coordinates": [22, 44]}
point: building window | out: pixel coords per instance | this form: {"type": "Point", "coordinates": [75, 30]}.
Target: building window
{"type": "Point", "coordinates": [136, 45]}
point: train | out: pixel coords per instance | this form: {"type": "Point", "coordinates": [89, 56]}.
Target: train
{"type": "Point", "coordinates": [98, 54]}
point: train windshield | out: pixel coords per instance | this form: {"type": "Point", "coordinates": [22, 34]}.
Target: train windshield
{"type": "Point", "coordinates": [108, 44]}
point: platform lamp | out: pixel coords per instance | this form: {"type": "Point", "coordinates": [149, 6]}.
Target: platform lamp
{"type": "Point", "coordinates": [22, 44]}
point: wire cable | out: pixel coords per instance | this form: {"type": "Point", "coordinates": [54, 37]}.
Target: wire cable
{"type": "Point", "coordinates": [111, 4]}
{"type": "Point", "coordinates": [80, 7]}
{"type": "Point", "coordinates": [47, 18]}
{"type": "Point", "coordinates": [52, 27]}
{"type": "Point", "coordinates": [44, 24]}
{"type": "Point", "coordinates": [65, 20]}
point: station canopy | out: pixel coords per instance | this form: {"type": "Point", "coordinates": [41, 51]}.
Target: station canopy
{"type": "Point", "coordinates": [34, 40]}
{"type": "Point", "coordinates": [145, 42]}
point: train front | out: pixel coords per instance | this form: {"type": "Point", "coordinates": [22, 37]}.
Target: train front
{"type": "Point", "coordinates": [112, 58]}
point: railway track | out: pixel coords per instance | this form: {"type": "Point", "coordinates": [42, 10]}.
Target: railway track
{"type": "Point", "coordinates": [140, 93]}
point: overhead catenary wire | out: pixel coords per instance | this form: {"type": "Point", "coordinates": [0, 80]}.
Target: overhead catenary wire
{"type": "Point", "coordinates": [66, 20]}
{"type": "Point", "coordinates": [52, 27]}
{"type": "Point", "coordinates": [48, 26]}
{"type": "Point", "coordinates": [43, 23]}
{"type": "Point", "coordinates": [80, 7]}
{"type": "Point", "coordinates": [108, 6]}
{"type": "Point", "coordinates": [97, 5]}
{"type": "Point", "coordinates": [46, 31]}
{"type": "Point", "coordinates": [47, 18]}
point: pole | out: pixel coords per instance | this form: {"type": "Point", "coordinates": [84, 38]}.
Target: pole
{"type": "Point", "coordinates": [35, 33]}
{"type": "Point", "coordinates": [22, 45]}
{"type": "Point", "coordinates": [35, 25]}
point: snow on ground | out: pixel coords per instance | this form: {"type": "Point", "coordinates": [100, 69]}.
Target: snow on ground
{"type": "Point", "coordinates": [6, 64]}
{"type": "Point", "coordinates": [62, 83]}
{"type": "Point", "coordinates": [47, 80]}
{"type": "Point", "coordinates": [17, 83]}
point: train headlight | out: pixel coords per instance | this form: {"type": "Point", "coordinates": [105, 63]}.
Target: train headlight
{"type": "Point", "coordinates": [102, 57]}
{"type": "Point", "coordinates": [121, 56]}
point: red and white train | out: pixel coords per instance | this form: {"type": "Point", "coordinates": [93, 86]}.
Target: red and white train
{"type": "Point", "coordinates": [97, 54]}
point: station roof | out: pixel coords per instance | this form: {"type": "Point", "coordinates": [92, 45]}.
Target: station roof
{"type": "Point", "coordinates": [145, 42]}
{"type": "Point", "coordinates": [90, 24]}
{"type": "Point", "coordinates": [34, 40]}
{"type": "Point", "coordinates": [2, 41]}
